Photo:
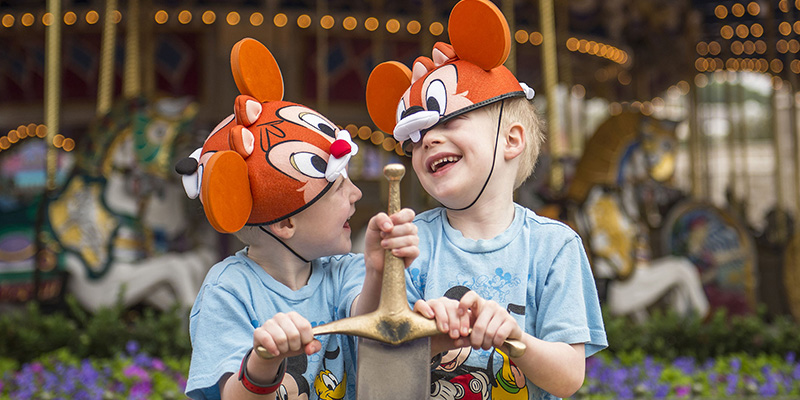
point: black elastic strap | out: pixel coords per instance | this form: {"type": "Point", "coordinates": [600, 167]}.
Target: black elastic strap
{"type": "Point", "coordinates": [494, 160]}
{"type": "Point", "coordinates": [281, 242]}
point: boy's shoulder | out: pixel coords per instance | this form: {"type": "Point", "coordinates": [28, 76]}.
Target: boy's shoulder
{"type": "Point", "coordinates": [539, 225]}
{"type": "Point", "coordinates": [230, 270]}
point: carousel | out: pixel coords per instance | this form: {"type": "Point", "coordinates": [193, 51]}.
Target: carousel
{"type": "Point", "coordinates": [672, 140]}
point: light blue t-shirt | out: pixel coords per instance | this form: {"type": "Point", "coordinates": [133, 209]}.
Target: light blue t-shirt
{"type": "Point", "coordinates": [238, 296]}
{"type": "Point", "coordinates": [537, 269]}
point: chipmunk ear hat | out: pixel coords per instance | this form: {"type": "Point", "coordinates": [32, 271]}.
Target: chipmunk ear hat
{"type": "Point", "coordinates": [458, 78]}
{"type": "Point", "coordinates": [271, 158]}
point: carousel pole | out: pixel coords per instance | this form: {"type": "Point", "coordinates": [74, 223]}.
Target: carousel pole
{"type": "Point", "coordinates": [322, 60]}
{"type": "Point", "coordinates": [105, 85]}
{"type": "Point", "coordinates": [781, 228]}
{"type": "Point", "coordinates": [52, 97]}
{"type": "Point", "coordinates": [132, 85]}
{"type": "Point", "coordinates": [743, 149]}
{"type": "Point", "coordinates": [732, 117]}
{"type": "Point", "coordinates": [507, 7]}
{"type": "Point", "coordinates": [694, 141]}
{"type": "Point", "coordinates": [550, 68]}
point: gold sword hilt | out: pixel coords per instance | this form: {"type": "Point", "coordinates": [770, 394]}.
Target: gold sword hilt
{"type": "Point", "coordinates": [393, 321]}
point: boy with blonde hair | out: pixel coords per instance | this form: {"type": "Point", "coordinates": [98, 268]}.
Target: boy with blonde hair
{"type": "Point", "coordinates": [486, 263]}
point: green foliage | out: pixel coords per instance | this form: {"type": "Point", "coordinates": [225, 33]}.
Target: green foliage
{"type": "Point", "coordinates": [28, 333]}
{"type": "Point", "coordinates": [668, 335]}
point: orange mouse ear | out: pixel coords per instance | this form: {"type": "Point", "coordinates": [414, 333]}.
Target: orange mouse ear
{"type": "Point", "coordinates": [225, 189]}
{"type": "Point", "coordinates": [479, 33]}
{"type": "Point", "coordinates": [255, 71]}
{"type": "Point", "coordinates": [385, 87]}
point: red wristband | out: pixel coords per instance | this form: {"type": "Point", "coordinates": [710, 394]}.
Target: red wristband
{"type": "Point", "coordinates": [255, 387]}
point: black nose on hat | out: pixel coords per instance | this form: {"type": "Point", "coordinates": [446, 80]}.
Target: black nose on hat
{"type": "Point", "coordinates": [411, 110]}
{"type": "Point", "coordinates": [186, 166]}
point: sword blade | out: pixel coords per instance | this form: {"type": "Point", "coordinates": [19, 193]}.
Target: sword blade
{"type": "Point", "coordinates": [389, 372]}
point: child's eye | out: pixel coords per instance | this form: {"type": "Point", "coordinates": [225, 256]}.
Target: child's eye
{"type": "Point", "coordinates": [309, 164]}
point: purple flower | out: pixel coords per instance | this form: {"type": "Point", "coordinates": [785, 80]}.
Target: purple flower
{"type": "Point", "coordinates": [140, 390]}
{"type": "Point", "coordinates": [736, 364]}
{"type": "Point", "coordinates": [158, 365]}
{"type": "Point", "coordinates": [733, 381]}
{"type": "Point", "coordinates": [682, 391]}
{"type": "Point", "coordinates": [661, 392]}
{"type": "Point", "coordinates": [137, 372]}
{"type": "Point", "coordinates": [790, 357]}
{"type": "Point", "coordinates": [132, 347]}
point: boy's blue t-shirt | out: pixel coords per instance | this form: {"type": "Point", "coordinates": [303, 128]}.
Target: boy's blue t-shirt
{"type": "Point", "coordinates": [238, 296]}
{"type": "Point", "coordinates": [537, 269]}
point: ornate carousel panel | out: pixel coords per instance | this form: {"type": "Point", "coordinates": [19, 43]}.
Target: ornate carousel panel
{"type": "Point", "coordinates": [722, 250]}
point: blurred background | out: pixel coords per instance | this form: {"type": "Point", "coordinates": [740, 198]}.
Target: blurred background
{"type": "Point", "coordinates": [672, 148]}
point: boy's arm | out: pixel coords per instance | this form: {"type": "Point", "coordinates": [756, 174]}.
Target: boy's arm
{"type": "Point", "coordinates": [283, 335]}
{"type": "Point", "coordinates": [396, 233]}
{"type": "Point", "coordinates": [558, 368]}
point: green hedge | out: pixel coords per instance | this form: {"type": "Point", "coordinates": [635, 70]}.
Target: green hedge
{"type": "Point", "coordinates": [668, 336]}
{"type": "Point", "coordinates": [27, 333]}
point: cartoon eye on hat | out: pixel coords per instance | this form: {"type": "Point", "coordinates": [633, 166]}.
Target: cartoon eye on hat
{"type": "Point", "coordinates": [271, 158]}
{"type": "Point", "coordinates": [458, 78]}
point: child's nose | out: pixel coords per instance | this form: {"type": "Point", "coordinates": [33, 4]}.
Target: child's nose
{"type": "Point", "coordinates": [432, 137]}
{"type": "Point", "coordinates": [355, 194]}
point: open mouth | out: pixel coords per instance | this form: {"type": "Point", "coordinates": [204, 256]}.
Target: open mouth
{"type": "Point", "coordinates": [442, 162]}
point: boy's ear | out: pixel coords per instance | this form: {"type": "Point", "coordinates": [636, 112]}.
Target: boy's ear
{"type": "Point", "coordinates": [283, 229]}
{"type": "Point", "coordinates": [514, 141]}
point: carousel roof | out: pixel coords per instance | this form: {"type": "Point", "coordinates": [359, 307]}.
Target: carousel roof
{"type": "Point", "coordinates": [621, 50]}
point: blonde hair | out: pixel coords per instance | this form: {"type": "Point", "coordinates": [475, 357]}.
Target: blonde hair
{"type": "Point", "coordinates": [521, 110]}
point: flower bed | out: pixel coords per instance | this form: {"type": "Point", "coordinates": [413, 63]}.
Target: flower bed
{"type": "Point", "coordinates": [741, 376]}
{"type": "Point", "coordinates": [135, 375]}
{"type": "Point", "coordinates": [130, 375]}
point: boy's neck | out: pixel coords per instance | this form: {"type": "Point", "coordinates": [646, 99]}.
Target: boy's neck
{"type": "Point", "coordinates": [281, 264]}
{"type": "Point", "coordinates": [486, 219]}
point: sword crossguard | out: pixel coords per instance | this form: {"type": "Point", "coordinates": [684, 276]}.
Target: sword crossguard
{"type": "Point", "coordinates": [393, 321]}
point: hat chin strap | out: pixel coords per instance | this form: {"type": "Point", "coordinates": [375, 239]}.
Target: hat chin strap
{"type": "Point", "coordinates": [281, 242]}
{"type": "Point", "coordinates": [494, 160]}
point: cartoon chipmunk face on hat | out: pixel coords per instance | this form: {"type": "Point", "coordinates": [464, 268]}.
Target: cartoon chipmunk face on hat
{"type": "Point", "coordinates": [269, 160]}
{"type": "Point", "coordinates": [458, 78]}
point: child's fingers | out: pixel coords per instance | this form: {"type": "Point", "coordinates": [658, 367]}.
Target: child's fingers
{"type": "Point", "coordinates": [312, 347]}
{"type": "Point", "coordinates": [263, 338]}
{"type": "Point", "coordinates": [403, 216]}
{"type": "Point", "coordinates": [481, 326]}
{"type": "Point", "coordinates": [303, 327]}
{"type": "Point", "coordinates": [292, 334]}
{"type": "Point", "coordinates": [508, 329]}
{"type": "Point", "coordinates": [442, 317]}
{"type": "Point", "coordinates": [454, 319]}
{"type": "Point", "coordinates": [380, 222]}
{"type": "Point", "coordinates": [470, 301]}
{"type": "Point", "coordinates": [422, 307]}
{"type": "Point", "coordinates": [464, 317]}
